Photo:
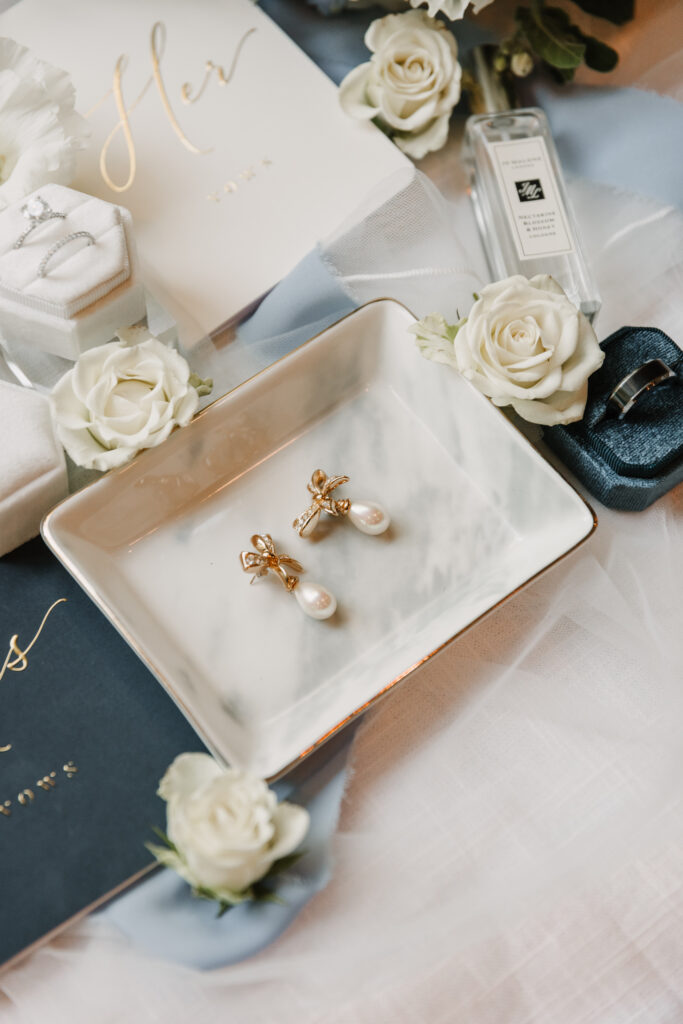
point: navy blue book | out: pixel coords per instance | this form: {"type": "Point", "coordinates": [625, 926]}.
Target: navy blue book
{"type": "Point", "coordinates": [86, 733]}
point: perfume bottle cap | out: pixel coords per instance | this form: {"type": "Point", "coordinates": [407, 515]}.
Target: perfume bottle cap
{"type": "Point", "coordinates": [491, 91]}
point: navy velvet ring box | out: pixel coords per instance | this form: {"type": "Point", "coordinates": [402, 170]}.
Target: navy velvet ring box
{"type": "Point", "coordinates": [628, 463]}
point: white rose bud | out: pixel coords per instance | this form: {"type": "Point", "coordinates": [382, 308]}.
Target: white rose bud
{"type": "Point", "coordinates": [526, 345]}
{"type": "Point", "coordinates": [411, 83]}
{"type": "Point", "coordinates": [119, 399]}
{"type": "Point", "coordinates": [521, 64]}
{"type": "Point", "coordinates": [226, 825]}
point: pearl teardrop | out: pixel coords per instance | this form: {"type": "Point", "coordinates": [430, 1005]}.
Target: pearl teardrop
{"type": "Point", "coordinates": [315, 600]}
{"type": "Point", "coordinates": [368, 517]}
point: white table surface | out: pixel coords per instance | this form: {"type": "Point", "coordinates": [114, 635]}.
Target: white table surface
{"type": "Point", "coordinates": [510, 845]}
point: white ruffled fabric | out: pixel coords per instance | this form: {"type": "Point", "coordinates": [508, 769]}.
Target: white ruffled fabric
{"type": "Point", "coordinates": [40, 131]}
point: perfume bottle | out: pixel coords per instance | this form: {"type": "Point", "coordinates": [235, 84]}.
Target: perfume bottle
{"type": "Point", "coordinates": [520, 200]}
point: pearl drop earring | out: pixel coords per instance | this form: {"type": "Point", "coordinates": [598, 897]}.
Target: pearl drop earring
{"type": "Point", "coordinates": [366, 516]}
{"type": "Point", "coordinates": [313, 599]}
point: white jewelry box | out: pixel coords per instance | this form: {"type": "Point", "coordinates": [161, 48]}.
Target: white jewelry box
{"type": "Point", "coordinates": [230, 185]}
{"type": "Point", "coordinates": [68, 271]}
{"type": "Point", "coordinates": [32, 467]}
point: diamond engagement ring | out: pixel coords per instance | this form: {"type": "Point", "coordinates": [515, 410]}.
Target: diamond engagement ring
{"type": "Point", "coordinates": [42, 269]}
{"type": "Point", "coordinates": [36, 212]}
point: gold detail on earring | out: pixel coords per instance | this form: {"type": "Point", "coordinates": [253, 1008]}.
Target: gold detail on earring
{"type": "Point", "coordinates": [366, 516]}
{"type": "Point", "coordinates": [265, 559]}
{"type": "Point", "coordinates": [321, 487]}
{"type": "Point", "coordinates": [314, 600]}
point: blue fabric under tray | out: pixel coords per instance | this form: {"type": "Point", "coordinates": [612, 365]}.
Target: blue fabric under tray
{"type": "Point", "coordinates": [629, 463]}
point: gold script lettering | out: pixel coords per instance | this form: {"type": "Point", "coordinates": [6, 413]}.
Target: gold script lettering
{"type": "Point", "coordinates": [16, 660]}
{"type": "Point", "coordinates": [124, 126]}
{"type": "Point", "coordinates": [47, 783]}
{"type": "Point", "coordinates": [209, 68]}
{"type": "Point", "coordinates": [19, 662]}
{"type": "Point", "coordinates": [157, 46]}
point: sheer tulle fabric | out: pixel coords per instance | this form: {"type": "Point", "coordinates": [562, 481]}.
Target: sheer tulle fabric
{"type": "Point", "coordinates": [510, 843]}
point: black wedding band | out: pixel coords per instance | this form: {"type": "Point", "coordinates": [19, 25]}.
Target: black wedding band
{"type": "Point", "coordinates": [631, 389]}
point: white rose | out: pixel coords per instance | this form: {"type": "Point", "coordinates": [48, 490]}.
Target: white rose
{"type": "Point", "coordinates": [119, 399]}
{"type": "Point", "coordinates": [411, 83]}
{"type": "Point", "coordinates": [226, 825]}
{"type": "Point", "coordinates": [40, 132]}
{"type": "Point", "coordinates": [453, 9]}
{"type": "Point", "coordinates": [523, 344]}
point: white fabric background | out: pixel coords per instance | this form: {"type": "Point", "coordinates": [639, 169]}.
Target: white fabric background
{"type": "Point", "coordinates": [510, 848]}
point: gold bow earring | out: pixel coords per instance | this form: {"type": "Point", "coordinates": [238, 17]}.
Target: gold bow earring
{"type": "Point", "coordinates": [313, 599]}
{"type": "Point", "coordinates": [366, 516]}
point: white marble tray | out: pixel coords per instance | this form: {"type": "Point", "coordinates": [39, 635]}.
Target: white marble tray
{"type": "Point", "coordinates": [476, 513]}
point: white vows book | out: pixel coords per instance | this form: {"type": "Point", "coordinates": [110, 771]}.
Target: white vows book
{"type": "Point", "coordinates": [226, 143]}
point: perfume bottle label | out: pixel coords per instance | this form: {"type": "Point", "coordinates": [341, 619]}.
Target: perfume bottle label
{"type": "Point", "coordinates": [531, 198]}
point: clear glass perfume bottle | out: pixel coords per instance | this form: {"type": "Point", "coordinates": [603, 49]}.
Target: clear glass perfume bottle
{"type": "Point", "coordinates": [520, 200]}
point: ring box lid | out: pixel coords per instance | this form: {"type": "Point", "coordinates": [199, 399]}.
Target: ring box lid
{"type": "Point", "coordinates": [78, 275]}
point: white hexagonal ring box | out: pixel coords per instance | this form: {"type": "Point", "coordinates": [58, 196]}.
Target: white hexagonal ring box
{"type": "Point", "coordinates": [68, 271]}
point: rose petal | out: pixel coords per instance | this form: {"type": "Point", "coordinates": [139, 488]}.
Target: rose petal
{"type": "Point", "coordinates": [562, 407]}
{"type": "Point", "coordinates": [187, 774]}
{"type": "Point", "coordinates": [353, 94]}
{"type": "Point", "coordinates": [381, 31]}
{"type": "Point", "coordinates": [291, 825]}
{"type": "Point", "coordinates": [431, 138]}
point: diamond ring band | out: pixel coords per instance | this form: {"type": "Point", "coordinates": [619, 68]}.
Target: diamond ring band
{"type": "Point", "coordinates": [36, 212]}
{"type": "Point", "coordinates": [42, 269]}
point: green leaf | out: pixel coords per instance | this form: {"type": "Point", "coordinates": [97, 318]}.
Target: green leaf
{"type": "Point", "coordinates": [160, 834]}
{"type": "Point", "coordinates": [284, 863]}
{"type": "Point", "coordinates": [563, 75]}
{"type": "Point", "coordinates": [550, 35]}
{"type": "Point", "coordinates": [599, 56]}
{"type": "Point", "coordinates": [616, 11]}
{"type": "Point", "coordinates": [167, 858]}
{"type": "Point", "coordinates": [266, 896]}
{"type": "Point", "coordinates": [231, 899]}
